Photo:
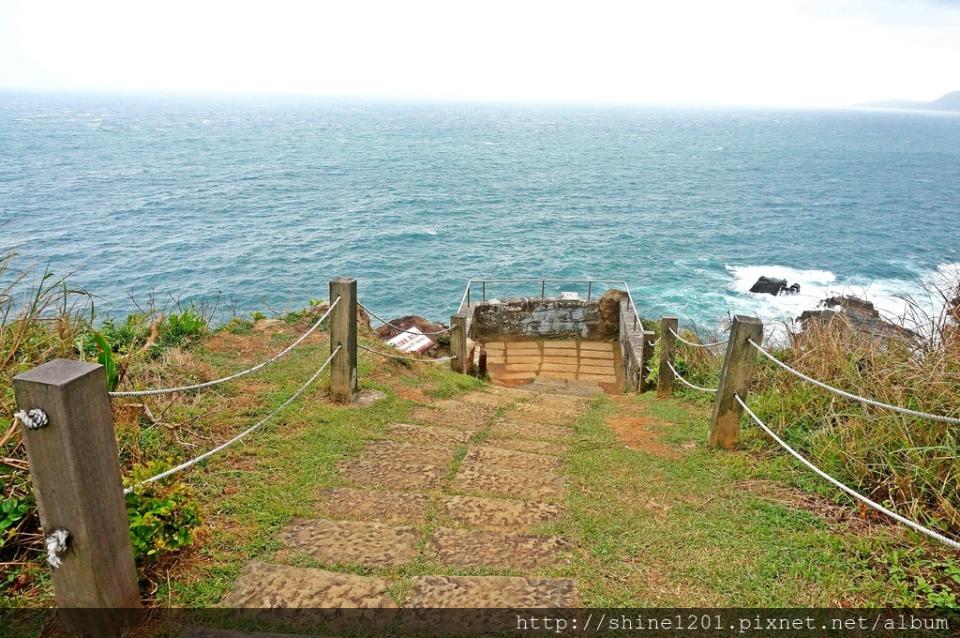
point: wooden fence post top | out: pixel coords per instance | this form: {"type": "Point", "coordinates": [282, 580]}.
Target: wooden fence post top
{"type": "Point", "coordinates": [58, 373]}
{"type": "Point", "coordinates": [747, 319]}
{"type": "Point", "coordinates": [343, 280]}
{"type": "Point", "coordinates": [735, 376]}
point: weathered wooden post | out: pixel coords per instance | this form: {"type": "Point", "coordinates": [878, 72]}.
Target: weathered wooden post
{"type": "Point", "coordinates": [343, 333]}
{"type": "Point", "coordinates": [75, 468]}
{"type": "Point", "coordinates": [646, 354]}
{"type": "Point", "coordinates": [668, 346]}
{"type": "Point", "coordinates": [738, 365]}
{"type": "Point", "coordinates": [458, 343]}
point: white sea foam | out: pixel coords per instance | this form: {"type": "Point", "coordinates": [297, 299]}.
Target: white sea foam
{"type": "Point", "coordinates": [911, 302]}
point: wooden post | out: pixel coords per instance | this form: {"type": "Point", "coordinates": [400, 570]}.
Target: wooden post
{"type": "Point", "coordinates": [75, 468]}
{"type": "Point", "coordinates": [343, 332]}
{"type": "Point", "coordinates": [458, 343]}
{"type": "Point", "coordinates": [646, 355]}
{"type": "Point", "coordinates": [738, 364]}
{"type": "Point", "coordinates": [668, 346]}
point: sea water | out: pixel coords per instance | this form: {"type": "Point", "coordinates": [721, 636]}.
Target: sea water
{"type": "Point", "coordinates": [258, 202]}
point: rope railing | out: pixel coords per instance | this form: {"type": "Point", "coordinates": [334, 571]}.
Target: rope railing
{"type": "Point", "coordinates": [402, 358]}
{"type": "Point", "coordinates": [854, 397]}
{"type": "Point", "coordinates": [687, 383]}
{"type": "Point", "coordinates": [395, 327]}
{"type": "Point", "coordinates": [850, 491]}
{"type": "Point", "coordinates": [236, 375]}
{"type": "Point", "coordinates": [695, 344]}
{"type": "Point", "coordinates": [187, 464]}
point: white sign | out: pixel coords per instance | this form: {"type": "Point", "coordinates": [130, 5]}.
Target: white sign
{"type": "Point", "coordinates": [569, 295]}
{"type": "Point", "coordinates": [415, 342]}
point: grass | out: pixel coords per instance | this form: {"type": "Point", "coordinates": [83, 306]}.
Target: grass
{"type": "Point", "coordinates": [707, 527]}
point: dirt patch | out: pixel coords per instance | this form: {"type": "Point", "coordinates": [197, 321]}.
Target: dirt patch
{"type": "Point", "coordinates": [378, 505]}
{"type": "Point", "coordinates": [364, 543]}
{"type": "Point", "coordinates": [412, 394]}
{"type": "Point", "coordinates": [498, 513]}
{"type": "Point", "coordinates": [638, 433]}
{"type": "Point", "coordinates": [477, 548]}
{"type": "Point", "coordinates": [263, 585]}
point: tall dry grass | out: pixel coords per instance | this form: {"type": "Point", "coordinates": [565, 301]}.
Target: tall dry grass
{"type": "Point", "coordinates": [911, 464]}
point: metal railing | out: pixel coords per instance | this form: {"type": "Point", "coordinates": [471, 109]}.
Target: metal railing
{"type": "Point", "coordinates": [466, 299]}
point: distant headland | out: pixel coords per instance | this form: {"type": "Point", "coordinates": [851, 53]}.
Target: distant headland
{"type": "Point", "coordinates": [948, 102]}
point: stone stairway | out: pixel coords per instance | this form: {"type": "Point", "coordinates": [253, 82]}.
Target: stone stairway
{"type": "Point", "coordinates": [458, 491]}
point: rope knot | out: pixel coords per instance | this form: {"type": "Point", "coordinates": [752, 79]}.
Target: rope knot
{"type": "Point", "coordinates": [56, 546]}
{"type": "Point", "coordinates": [32, 420]}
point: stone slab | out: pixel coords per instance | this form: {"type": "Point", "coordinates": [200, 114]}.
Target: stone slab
{"type": "Point", "coordinates": [384, 451]}
{"type": "Point", "coordinates": [377, 505]}
{"type": "Point", "coordinates": [426, 434]}
{"type": "Point", "coordinates": [559, 367]}
{"type": "Point", "coordinates": [394, 475]}
{"type": "Point", "coordinates": [559, 345]}
{"type": "Point", "coordinates": [460, 418]}
{"type": "Point", "coordinates": [265, 585]}
{"type": "Point", "coordinates": [498, 513]}
{"type": "Point", "coordinates": [512, 458]}
{"type": "Point", "coordinates": [529, 445]}
{"type": "Point", "coordinates": [596, 357]}
{"type": "Point", "coordinates": [366, 543]}
{"type": "Point", "coordinates": [528, 359]}
{"type": "Point", "coordinates": [600, 378]}
{"type": "Point", "coordinates": [478, 478]}
{"type": "Point", "coordinates": [471, 592]}
{"type": "Point", "coordinates": [482, 548]}
{"type": "Point", "coordinates": [525, 430]}
{"type": "Point", "coordinates": [522, 367]}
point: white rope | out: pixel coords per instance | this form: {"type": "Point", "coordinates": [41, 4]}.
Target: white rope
{"type": "Point", "coordinates": [654, 343]}
{"type": "Point", "coordinates": [880, 508]}
{"type": "Point", "coordinates": [56, 546]}
{"type": "Point", "coordinates": [401, 358]}
{"type": "Point", "coordinates": [693, 343]}
{"type": "Point", "coordinates": [255, 426]}
{"type": "Point", "coordinates": [387, 323]}
{"type": "Point", "coordinates": [32, 420]}
{"type": "Point", "coordinates": [243, 373]}
{"type": "Point", "coordinates": [687, 383]}
{"type": "Point", "coordinates": [854, 397]}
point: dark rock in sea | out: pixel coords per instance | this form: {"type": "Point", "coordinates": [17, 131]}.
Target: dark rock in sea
{"type": "Point", "coordinates": [770, 285]}
{"type": "Point", "coordinates": [857, 313]}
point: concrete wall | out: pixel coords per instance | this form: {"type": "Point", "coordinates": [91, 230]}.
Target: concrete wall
{"type": "Point", "coordinates": [536, 317]}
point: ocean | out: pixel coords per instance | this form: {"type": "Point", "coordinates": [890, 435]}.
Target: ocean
{"type": "Point", "coordinates": [258, 202]}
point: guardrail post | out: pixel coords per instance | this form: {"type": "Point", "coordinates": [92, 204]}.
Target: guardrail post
{"type": "Point", "coordinates": [668, 346]}
{"type": "Point", "coordinates": [738, 364]}
{"type": "Point", "coordinates": [343, 332]}
{"type": "Point", "coordinates": [458, 343]}
{"type": "Point", "coordinates": [646, 354]}
{"type": "Point", "coordinates": [75, 468]}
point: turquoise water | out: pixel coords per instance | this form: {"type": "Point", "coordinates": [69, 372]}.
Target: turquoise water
{"type": "Point", "coordinates": [262, 201]}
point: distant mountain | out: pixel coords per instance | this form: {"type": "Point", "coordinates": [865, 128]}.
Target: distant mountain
{"type": "Point", "coordinates": [949, 102]}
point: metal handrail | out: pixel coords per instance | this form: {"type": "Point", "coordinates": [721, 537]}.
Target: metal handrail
{"type": "Point", "coordinates": [465, 299]}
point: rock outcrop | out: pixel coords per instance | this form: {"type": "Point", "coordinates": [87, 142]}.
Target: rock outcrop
{"type": "Point", "coordinates": [774, 286]}
{"type": "Point", "coordinates": [407, 322]}
{"type": "Point", "coordinates": [857, 313]}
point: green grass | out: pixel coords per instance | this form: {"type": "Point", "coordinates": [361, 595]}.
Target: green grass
{"type": "Point", "coordinates": [658, 531]}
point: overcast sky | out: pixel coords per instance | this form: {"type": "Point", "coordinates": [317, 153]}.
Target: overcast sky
{"type": "Point", "coordinates": [764, 52]}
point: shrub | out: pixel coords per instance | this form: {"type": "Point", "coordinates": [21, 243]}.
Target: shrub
{"type": "Point", "coordinates": [163, 515]}
{"type": "Point", "coordinates": [183, 328]}
{"type": "Point", "coordinates": [238, 326]}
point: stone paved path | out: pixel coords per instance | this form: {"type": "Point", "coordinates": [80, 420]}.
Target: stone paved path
{"type": "Point", "coordinates": [458, 491]}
